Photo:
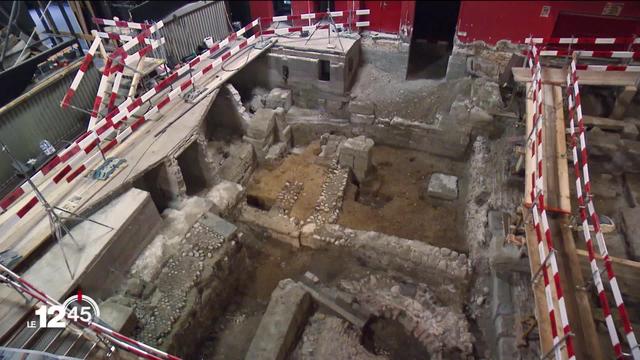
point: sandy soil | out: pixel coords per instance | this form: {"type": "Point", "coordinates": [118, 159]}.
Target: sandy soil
{"type": "Point", "coordinates": [267, 183]}
{"type": "Point", "coordinates": [403, 176]}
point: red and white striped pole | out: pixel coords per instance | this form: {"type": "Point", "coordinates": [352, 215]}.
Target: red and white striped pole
{"type": "Point", "coordinates": [538, 208]}
{"type": "Point", "coordinates": [595, 220]}
{"type": "Point", "coordinates": [595, 271]}
{"type": "Point", "coordinates": [86, 62]}
{"type": "Point", "coordinates": [542, 253]}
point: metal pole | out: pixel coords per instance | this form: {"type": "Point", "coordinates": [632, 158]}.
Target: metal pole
{"type": "Point", "coordinates": [47, 29]}
{"type": "Point", "coordinates": [30, 37]}
{"type": "Point", "coordinates": [6, 39]}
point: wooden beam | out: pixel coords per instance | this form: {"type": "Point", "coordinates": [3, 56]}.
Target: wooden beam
{"type": "Point", "coordinates": [564, 194]}
{"type": "Point", "coordinates": [539, 297]}
{"type": "Point", "coordinates": [603, 123]}
{"type": "Point", "coordinates": [627, 273]}
{"type": "Point", "coordinates": [622, 101]}
{"type": "Point", "coordinates": [597, 78]}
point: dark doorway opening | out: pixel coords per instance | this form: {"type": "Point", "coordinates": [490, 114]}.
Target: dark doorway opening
{"type": "Point", "coordinates": [240, 12]}
{"type": "Point", "coordinates": [323, 5]}
{"type": "Point", "coordinates": [281, 7]}
{"type": "Point", "coordinates": [434, 28]}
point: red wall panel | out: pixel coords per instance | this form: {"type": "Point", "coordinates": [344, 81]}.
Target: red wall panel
{"type": "Point", "coordinates": [491, 21]}
{"type": "Point", "coordinates": [261, 8]}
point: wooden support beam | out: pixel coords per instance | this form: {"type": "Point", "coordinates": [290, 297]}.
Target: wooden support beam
{"type": "Point", "coordinates": [596, 78]}
{"type": "Point", "coordinates": [627, 273]}
{"type": "Point", "coordinates": [623, 101]}
{"type": "Point", "coordinates": [541, 312]}
{"type": "Point", "coordinates": [603, 123]}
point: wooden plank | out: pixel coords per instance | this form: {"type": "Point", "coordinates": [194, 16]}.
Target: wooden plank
{"type": "Point", "coordinates": [541, 313]}
{"type": "Point", "coordinates": [627, 273]}
{"type": "Point", "coordinates": [564, 194]}
{"type": "Point", "coordinates": [603, 123]}
{"type": "Point", "coordinates": [598, 78]}
{"type": "Point", "coordinates": [577, 301]}
{"type": "Point", "coordinates": [622, 101]}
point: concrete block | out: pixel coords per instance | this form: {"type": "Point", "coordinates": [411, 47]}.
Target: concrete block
{"type": "Point", "coordinates": [262, 124]}
{"type": "Point", "coordinates": [219, 225]}
{"type": "Point", "coordinates": [279, 98]}
{"type": "Point", "coordinates": [361, 107]}
{"type": "Point", "coordinates": [282, 323]}
{"type": "Point", "coordinates": [119, 317]}
{"type": "Point", "coordinates": [360, 119]}
{"type": "Point", "coordinates": [443, 186]}
{"type": "Point", "coordinates": [355, 153]}
{"type": "Point", "coordinates": [225, 196]}
{"type": "Point", "coordinates": [457, 67]}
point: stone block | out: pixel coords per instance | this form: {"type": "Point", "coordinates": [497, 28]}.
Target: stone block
{"type": "Point", "coordinates": [602, 143]}
{"type": "Point", "coordinates": [631, 229]}
{"type": "Point", "coordinates": [443, 186]}
{"type": "Point", "coordinates": [276, 151]}
{"type": "Point", "coordinates": [225, 196]}
{"type": "Point", "coordinates": [279, 98]}
{"type": "Point", "coordinates": [504, 325]}
{"type": "Point", "coordinates": [507, 348]}
{"type": "Point", "coordinates": [630, 131]}
{"type": "Point", "coordinates": [260, 144]}
{"type": "Point", "coordinates": [631, 147]}
{"type": "Point", "coordinates": [282, 322]}
{"type": "Point", "coordinates": [262, 124]}
{"type": "Point", "coordinates": [119, 317]}
{"type": "Point", "coordinates": [360, 119]}
{"type": "Point", "coordinates": [219, 225]}
{"type": "Point", "coordinates": [361, 107]}
{"type": "Point", "coordinates": [355, 153]}
{"type": "Point", "coordinates": [501, 302]}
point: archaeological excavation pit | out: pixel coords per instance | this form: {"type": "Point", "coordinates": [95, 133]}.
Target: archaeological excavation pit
{"type": "Point", "coordinates": [278, 184]}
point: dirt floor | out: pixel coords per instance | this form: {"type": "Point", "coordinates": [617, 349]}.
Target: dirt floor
{"type": "Point", "coordinates": [400, 206]}
{"type": "Point", "coordinates": [394, 202]}
{"type": "Point", "coordinates": [266, 183]}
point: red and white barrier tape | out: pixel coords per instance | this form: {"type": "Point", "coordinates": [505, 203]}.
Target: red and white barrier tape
{"type": "Point", "coordinates": [595, 219]}
{"type": "Point", "coordinates": [595, 271]}
{"type": "Point", "coordinates": [536, 221]}
{"type": "Point", "coordinates": [540, 218]}
{"type": "Point", "coordinates": [107, 125]}
{"type": "Point", "coordinates": [86, 62]}
{"type": "Point", "coordinates": [121, 24]}
{"type": "Point", "coordinates": [116, 36]}
{"type": "Point", "coordinates": [584, 40]}
{"type": "Point", "coordinates": [311, 16]}
{"type": "Point", "coordinates": [597, 53]}
{"type": "Point", "coordinates": [139, 39]}
{"type": "Point", "coordinates": [282, 31]}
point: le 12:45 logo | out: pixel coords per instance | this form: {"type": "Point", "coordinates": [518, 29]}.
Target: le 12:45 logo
{"type": "Point", "coordinates": [77, 308]}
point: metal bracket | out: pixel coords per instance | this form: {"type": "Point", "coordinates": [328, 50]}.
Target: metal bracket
{"type": "Point", "coordinates": [534, 279]}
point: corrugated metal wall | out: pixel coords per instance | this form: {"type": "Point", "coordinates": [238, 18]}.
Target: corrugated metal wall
{"type": "Point", "coordinates": [188, 26]}
{"type": "Point", "coordinates": [38, 116]}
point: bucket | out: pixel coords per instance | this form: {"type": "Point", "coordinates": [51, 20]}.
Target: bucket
{"type": "Point", "coordinates": [208, 41]}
